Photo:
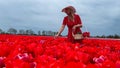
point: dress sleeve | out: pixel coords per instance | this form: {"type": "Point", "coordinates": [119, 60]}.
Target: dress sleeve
{"type": "Point", "coordinates": [64, 21]}
{"type": "Point", "coordinates": [79, 19]}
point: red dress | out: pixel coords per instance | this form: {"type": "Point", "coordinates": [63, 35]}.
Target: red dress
{"type": "Point", "coordinates": [70, 25]}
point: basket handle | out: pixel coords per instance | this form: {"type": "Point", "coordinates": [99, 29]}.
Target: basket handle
{"type": "Point", "coordinates": [86, 30]}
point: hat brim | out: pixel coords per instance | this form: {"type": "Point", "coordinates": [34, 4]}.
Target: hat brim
{"type": "Point", "coordinates": [69, 7]}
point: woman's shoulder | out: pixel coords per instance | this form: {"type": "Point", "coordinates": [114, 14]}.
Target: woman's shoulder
{"type": "Point", "coordinates": [65, 17]}
{"type": "Point", "coordinates": [77, 16]}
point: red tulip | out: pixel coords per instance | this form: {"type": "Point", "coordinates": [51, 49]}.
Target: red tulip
{"type": "Point", "coordinates": [99, 60]}
{"type": "Point", "coordinates": [2, 64]}
{"type": "Point", "coordinates": [75, 65]}
{"type": "Point", "coordinates": [118, 64]}
{"type": "Point", "coordinates": [108, 64]}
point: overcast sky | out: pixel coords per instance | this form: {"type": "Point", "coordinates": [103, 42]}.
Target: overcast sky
{"type": "Point", "coordinates": [100, 17]}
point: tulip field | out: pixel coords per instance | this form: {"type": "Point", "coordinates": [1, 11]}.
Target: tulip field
{"type": "Point", "coordinates": [24, 51]}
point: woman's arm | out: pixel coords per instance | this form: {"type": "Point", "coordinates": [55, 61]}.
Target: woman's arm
{"type": "Point", "coordinates": [78, 25]}
{"type": "Point", "coordinates": [60, 30]}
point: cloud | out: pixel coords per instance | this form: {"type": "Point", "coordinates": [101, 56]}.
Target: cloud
{"type": "Point", "coordinates": [99, 16]}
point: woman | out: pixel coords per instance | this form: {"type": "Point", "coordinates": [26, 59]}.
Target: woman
{"type": "Point", "coordinates": [72, 21]}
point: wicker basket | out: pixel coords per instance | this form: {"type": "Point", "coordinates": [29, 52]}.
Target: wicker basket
{"type": "Point", "coordinates": [77, 36]}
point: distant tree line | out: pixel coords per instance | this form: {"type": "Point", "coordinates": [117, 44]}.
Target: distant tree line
{"type": "Point", "coordinates": [109, 36]}
{"type": "Point", "coordinates": [44, 33]}
{"type": "Point", "coordinates": [27, 32]}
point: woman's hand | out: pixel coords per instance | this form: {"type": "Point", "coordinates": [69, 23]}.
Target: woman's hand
{"type": "Point", "coordinates": [60, 31]}
{"type": "Point", "coordinates": [56, 35]}
{"type": "Point", "coordinates": [75, 26]}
